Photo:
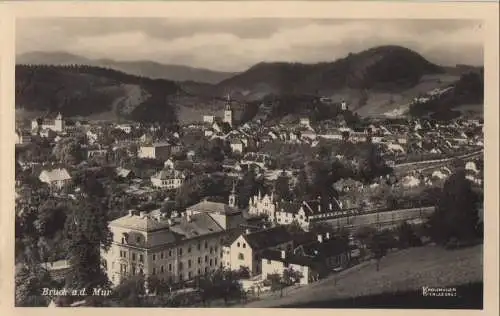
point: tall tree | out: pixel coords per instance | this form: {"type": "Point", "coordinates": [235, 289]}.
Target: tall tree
{"type": "Point", "coordinates": [86, 233]}
{"type": "Point", "coordinates": [282, 187]}
{"type": "Point", "coordinates": [457, 212]}
{"type": "Point", "coordinates": [69, 151]}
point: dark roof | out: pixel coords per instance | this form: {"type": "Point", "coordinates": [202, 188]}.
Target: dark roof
{"type": "Point", "coordinates": [275, 255]}
{"type": "Point", "coordinates": [289, 207]}
{"type": "Point", "coordinates": [327, 248]}
{"type": "Point", "coordinates": [268, 238]}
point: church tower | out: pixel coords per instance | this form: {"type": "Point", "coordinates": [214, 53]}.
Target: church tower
{"type": "Point", "coordinates": [228, 112]}
{"type": "Point", "coordinates": [232, 196]}
{"type": "Point", "coordinates": [59, 123]}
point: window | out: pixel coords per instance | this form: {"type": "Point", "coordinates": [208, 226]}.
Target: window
{"type": "Point", "coordinates": [133, 257]}
{"type": "Point", "coordinates": [190, 275]}
{"type": "Point", "coordinates": [268, 261]}
{"type": "Point", "coordinates": [161, 269]}
{"type": "Point", "coordinates": [154, 271]}
{"type": "Point", "coordinates": [138, 239]}
{"type": "Point", "coordinates": [180, 251]}
{"type": "Point", "coordinates": [215, 248]}
{"type": "Point", "coordinates": [199, 271]}
{"type": "Point", "coordinates": [211, 250]}
{"type": "Point", "coordinates": [206, 269]}
{"type": "Point", "coordinates": [286, 264]}
{"type": "Point", "coordinates": [211, 262]}
{"type": "Point", "coordinates": [141, 258]}
{"type": "Point", "coordinates": [181, 277]}
{"type": "Point", "coordinates": [189, 263]}
{"type": "Point", "coordinates": [180, 265]}
{"type": "Point", "coordinates": [240, 256]}
{"type": "Point", "coordinates": [206, 258]}
{"type": "Point", "coordinates": [199, 246]}
{"type": "Point", "coordinates": [215, 261]}
{"type": "Point", "coordinates": [169, 267]}
{"type": "Point", "coordinates": [206, 245]}
{"type": "Point", "coordinates": [244, 245]}
{"type": "Point", "coordinates": [199, 260]}
{"type": "Point", "coordinates": [238, 245]}
{"type": "Point", "coordinates": [161, 256]}
{"type": "Point", "coordinates": [189, 249]}
{"type": "Point", "coordinates": [170, 253]}
{"type": "Point", "coordinates": [154, 257]}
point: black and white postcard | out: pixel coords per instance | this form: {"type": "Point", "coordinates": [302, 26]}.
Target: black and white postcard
{"type": "Point", "coordinates": [225, 155]}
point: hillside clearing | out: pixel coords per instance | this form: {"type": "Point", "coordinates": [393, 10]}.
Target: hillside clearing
{"type": "Point", "coordinates": [400, 271]}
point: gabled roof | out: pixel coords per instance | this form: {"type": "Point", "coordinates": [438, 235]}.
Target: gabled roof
{"type": "Point", "coordinates": [58, 174]}
{"type": "Point", "coordinates": [195, 226]}
{"type": "Point", "coordinates": [275, 255]}
{"type": "Point", "coordinates": [145, 222]}
{"type": "Point", "coordinates": [288, 206]}
{"type": "Point", "coordinates": [268, 238]}
{"type": "Point", "coordinates": [168, 174]}
{"type": "Point", "coordinates": [325, 249]}
{"type": "Point", "coordinates": [213, 207]}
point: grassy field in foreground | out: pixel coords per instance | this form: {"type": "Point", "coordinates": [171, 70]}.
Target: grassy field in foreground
{"type": "Point", "coordinates": [401, 271]}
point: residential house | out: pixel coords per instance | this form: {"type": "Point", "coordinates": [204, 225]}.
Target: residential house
{"type": "Point", "coordinates": [55, 178]}
{"type": "Point", "coordinates": [169, 179]}
{"type": "Point", "coordinates": [124, 173]}
{"type": "Point", "coordinates": [275, 262]}
{"type": "Point", "coordinates": [127, 128]}
{"type": "Point", "coordinates": [155, 151]}
{"type": "Point", "coordinates": [237, 146]}
{"type": "Point", "coordinates": [246, 249]}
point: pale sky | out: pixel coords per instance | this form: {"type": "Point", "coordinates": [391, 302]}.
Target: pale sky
{"type": "Point", "coordinates": [236, 44]}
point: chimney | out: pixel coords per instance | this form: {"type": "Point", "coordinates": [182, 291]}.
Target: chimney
{"type": "Point", "coordinates": [328, 235]}
{"type": "Point", "coordinates": [142, 214]}
{"type": "Point", "coordinates": [247, 231]}
{"type": "Point", "coordinates": [170, 222]}
{"type": "Point", "coordinates": [283, 254]}
{"type": "Point", "coordinates": [130, 212]}
{"type": "Point", "coordinates": [320, 238]}
{"type": "Point", "coordinates": [330, 206]}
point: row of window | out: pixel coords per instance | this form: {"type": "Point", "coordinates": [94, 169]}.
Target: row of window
{"type": "Point", "coordinates": [211, 262]}
{"type": "Point", "coordinates": [133, 256]}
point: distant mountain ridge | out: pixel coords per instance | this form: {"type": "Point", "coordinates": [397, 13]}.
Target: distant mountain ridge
{"type": "Point", "coordinates": [385, 68]}
{"type": "Point", "coordinates": [93, 91]}
{"type": "Point", "coordinates": [149, 69]}
{"type": "Point", "coordinates": [373, 82]}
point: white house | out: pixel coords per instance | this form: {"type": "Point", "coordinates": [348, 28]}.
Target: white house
{"type": "Point", "coordinates": [246, 250]}
{"type": "Point", "coordinates": [277, 261]}
{"type": "Point", "coordinates": [237, 146]}
{"type": "Point", "coordinates": [155, 151]}
{"type": "Point", "coordinates": [56, 178]}
{"type": "Point", "coordinates": [168, 178]}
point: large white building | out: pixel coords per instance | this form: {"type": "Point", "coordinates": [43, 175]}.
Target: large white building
{"type": "Point", "coordinates": [56, 125]}
{"type": "Point", "coordinates": [173, 249]}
